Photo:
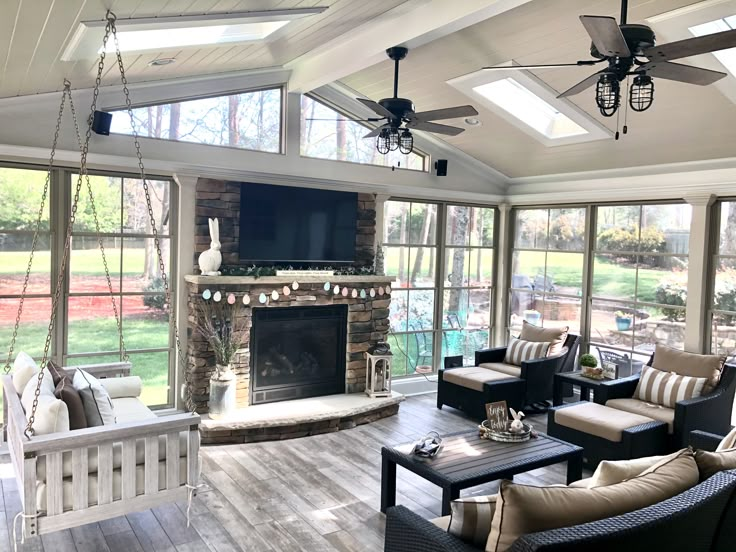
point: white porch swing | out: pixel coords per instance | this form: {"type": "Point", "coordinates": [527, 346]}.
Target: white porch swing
{"type": "Point", "coordinates": [71, 478]}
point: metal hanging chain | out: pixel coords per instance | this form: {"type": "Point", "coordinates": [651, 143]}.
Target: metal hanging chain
{"type": "Point", "coordinates": [83, 171]}
{"type": "Point", "coordinates": [157, 242]}
{"type": "Point", "coordinates": [67, 242]}
{"type": "Point", "coordinates": [39, 221]}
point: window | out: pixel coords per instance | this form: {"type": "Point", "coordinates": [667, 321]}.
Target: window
{"type": "Point", "coordinates": [327, 134]}
{"type": "Point", "coordinates": [726, 57]}
{"type": "Point", "coordinates": [723, 306]}
{"type": "Point", "coordinates": [639, 278]}
{"type": "Point", "coordinates": [468, 280]}
{"type": "Point", "coordinates": [410, 254]}
{"type": "Point", "coordinates": [529, 108]}
{"type": "Point", "coordinates": [547, 267]}
{"type": "Point", "coordinates": [250, 120]}
{"type": "Point", "coordinates": [86, 331]}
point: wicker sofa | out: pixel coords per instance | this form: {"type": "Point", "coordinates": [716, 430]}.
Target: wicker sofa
{"type": "Point", "coordinates": [701, 519]}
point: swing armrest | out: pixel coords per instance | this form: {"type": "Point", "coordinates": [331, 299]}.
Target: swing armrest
{"type": "Point", "coordinates": [104, 370]}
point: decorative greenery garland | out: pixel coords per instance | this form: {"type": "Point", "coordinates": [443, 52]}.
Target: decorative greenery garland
{"type": "Point", "coordinates": [258, 271]}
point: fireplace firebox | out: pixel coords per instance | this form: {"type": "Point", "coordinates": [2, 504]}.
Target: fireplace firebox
{"type": "Point", "coordinates": [297, 352]}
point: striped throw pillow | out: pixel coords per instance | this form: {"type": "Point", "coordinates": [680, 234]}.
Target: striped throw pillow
{"type": "Point", "coordinates": [471, 518]}
{"type": "Point", "coordinates": [520, 351]}
{"type": "Point", "coordinates": [667, 388]}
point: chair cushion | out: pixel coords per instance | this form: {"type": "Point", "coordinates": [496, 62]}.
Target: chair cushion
{"type": "Point", "coordinates": [710, 463]}
{"type": "Point", "coordinates": [689, 364]}
{"type": "Point", "coordinates": [653, 411]}
{"type": "Point", "coordinates": [610, 472]}
{"type": "Point", "coordinates": [97, 403]}
{"type": "Point", "coordinates": [555, 336]}
{"type": "Point", "coordinates": [502, 367]}
{"type": "Point", "coordinates": [520, 351]}
{"type": "Point", "coordinates": [472, 377]}
{"type": "Point", "coordinates": [523, 509]}
{"type": "Point", "coordinates": [470, 518]}
{"type": "Point", "coordinates": [24, 368]}
{"type": "Point", "coordinates": [667, 388]}
{"type": "Point", "coordinates": [596, 419]}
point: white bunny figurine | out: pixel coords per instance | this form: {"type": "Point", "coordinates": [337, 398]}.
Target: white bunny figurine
{"type": "Point", "coordinates": [210, 260]}
{"type": "Point", "coordinates": [516, 426]}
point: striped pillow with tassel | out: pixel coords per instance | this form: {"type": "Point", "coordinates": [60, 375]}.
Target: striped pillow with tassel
{"type": "Point", "coordinates": [667, 388]}
{"type": "Point", "coordinates": [520, 351]}
{"type": "Point", "coordinates": [471, 519]}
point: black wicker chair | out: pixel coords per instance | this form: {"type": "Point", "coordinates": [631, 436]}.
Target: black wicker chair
{"type": "Point", "coordinates": [702, 519]}
{"type": "Point", "coordinates": [711, 412]}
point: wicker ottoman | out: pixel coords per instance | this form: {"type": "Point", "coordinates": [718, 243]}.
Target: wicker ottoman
{"type": "Point", "coordinates": [607, 433]}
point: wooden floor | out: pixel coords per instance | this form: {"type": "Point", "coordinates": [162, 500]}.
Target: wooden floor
{"type": "Point", "coordinates": [315, 494]}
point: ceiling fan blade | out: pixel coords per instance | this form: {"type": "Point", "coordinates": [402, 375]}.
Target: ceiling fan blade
{"type": "Point", "coordinates": [446, 113]}
{"type": "Point", "coordinates": [606, 35]}
{"type": "Point", "coordinates": [582, 85]}
{"type": "Point", "coordinates": [375, 132]}
{"type": "Point", "coordinates": [681, 73]}
{"type": "Point", "coordinates": [435, 128]}
{"type": "Point", "coordinates": [582, 63]}
{"type": "Point", "coordinates": [369, 120]}
{"type": "Point", "coordinates": [693, 46]}
{"type": "Point", "coordinates": [376, 107]}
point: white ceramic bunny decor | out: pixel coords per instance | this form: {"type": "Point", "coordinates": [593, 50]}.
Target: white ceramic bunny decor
{"type": "Point", "coordinates": [516, 425]}
{"type": "Point", "coordinates": [210, 260]}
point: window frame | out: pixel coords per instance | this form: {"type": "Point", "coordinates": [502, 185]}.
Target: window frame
{"type": "Point", "coordinates": [712, 263]}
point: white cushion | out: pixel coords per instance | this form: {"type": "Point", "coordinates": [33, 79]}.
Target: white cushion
{"type": "Point", "coordinates": [52, 414]}
{"type": "Point", "coordinates": [47, 388]}
{"type": "Point", "coordinates": [130, 386]}
{"type": "Point", "coordinates": [97, 403]}
{"type": "Point", "coordinates": [24, 368]}
{"type": "Point", "coordinates": [131, 409]}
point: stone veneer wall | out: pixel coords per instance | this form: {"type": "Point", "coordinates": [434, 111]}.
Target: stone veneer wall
{"type": "Point", "coordinates": [221, 199]}
{"type": "Point", "coordinates": [368, 323]}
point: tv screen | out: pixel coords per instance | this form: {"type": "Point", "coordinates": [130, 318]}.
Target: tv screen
{"type": "Point", "coordinates": [282, 224]}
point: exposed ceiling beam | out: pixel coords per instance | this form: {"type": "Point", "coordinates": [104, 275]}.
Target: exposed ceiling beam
{"type": "Point", "coordinates": [412, 24]}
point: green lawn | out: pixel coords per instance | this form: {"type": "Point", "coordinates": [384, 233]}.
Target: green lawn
{"type": "Point", "coordinates": [84, 261]}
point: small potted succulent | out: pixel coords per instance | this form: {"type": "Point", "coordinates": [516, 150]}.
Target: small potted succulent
{"type": "Point", "coordinates": [589, 366]}
{"type": "Point", "coordinates": [623, 320]}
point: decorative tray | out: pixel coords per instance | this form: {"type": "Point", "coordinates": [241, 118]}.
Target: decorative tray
{"type": "Point", "coordinates": [505, 436]}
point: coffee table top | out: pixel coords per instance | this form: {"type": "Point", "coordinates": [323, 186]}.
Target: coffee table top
{"type": "Point", "coordinates": [466, 458]}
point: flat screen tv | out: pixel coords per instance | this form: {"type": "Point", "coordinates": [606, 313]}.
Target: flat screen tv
{"type": "Point", "coordinates": [283, 224]}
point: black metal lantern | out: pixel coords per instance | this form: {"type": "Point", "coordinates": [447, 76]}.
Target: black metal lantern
{"type": "Point", "coordinates": [393, 139]}
{"type": "Point", "coordinates": [641, 93]}
{"type": "Point", "coordinates": [406, 142]}
{"type": "Point", "coordinates": [382, 142]}
{"type": "Point", "coordinates": [608, 95]}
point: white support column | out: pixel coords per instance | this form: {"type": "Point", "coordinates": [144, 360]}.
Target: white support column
{"type": "Point", "coordinates": [697, 280]}
{"type": "Point", "coordinates": [184, 265]}
{"type": "Point", "coordinates": [293, 125]}
{"type": "Point", "coordinates": [380, 203]}
{"type": "Point", "coordinates": [500, 334]}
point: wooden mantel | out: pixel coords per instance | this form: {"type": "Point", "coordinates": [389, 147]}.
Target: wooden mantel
{"type": "Point", "coordinates": [282, 280]}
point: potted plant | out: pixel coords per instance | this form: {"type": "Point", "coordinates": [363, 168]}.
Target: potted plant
{"type": "Point", "coordinates": [589, 366]}
{"type": "Point", "coordinates": [217, 321]}
{"type": "Point", "coordinates": [532, 316]}
{"type": "Point", "coordinates": [623, 320]}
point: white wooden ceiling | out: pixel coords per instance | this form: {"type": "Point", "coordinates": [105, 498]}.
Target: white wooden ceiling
{"type": "Point", "coordinates": [33, 34]}
{"type": "Point", "coordinates": [686, 123]}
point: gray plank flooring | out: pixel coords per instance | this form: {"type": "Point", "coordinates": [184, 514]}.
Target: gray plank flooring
{"type": "Point", "coordinates": [316, 494]}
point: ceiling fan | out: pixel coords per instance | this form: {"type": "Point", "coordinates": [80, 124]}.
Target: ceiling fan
{"type": "Point", "coordinates": [401, 118]}
{"type": "Point", "coordinates": [631, 50]}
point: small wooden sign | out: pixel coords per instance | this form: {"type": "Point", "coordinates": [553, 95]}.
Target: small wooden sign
{"type": "Point", "coordinates": [610, 370]}
{"type": "Point", "coordinates": [498, 415]}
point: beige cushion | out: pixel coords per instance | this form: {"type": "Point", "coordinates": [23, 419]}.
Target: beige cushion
{"type": "Point", "coordinates": [502, 367]}
{"type": "Point", "coordinates": [520, 351]}
{"type": "Point", "coordinates": [689, 364]}
{"type": "Point", "coordinates": [581, 483]}
{"type": "Point", "coordinates": [472, 377]}
{"type": "Point", "coordinates": [667, 388]}
{"type": "Point", "coordinates": [441, 522]}
{"type": "Point", "coordinates": [471, 518]}
{"type": "Point", "coordinates": [555, 336]}
{"type": "Point", "coordinates": [653, 411]}
{"type": "Point", "coordinates": [610, 472]}
{"type": "Point", "coordinates": [129, 409]}
{"type": "Point", "coordinates": [523, 509]}
{"type": "Point", "coordinates": [52, 414]}
{"type": "Point", "coordinates": [728, 442]}
{"type": "Point", "coordinates": [130, 386]}
{"type": "Point", "coordinates": [710, 463]}
{"type": "Point", "coordinates": [601, 421]}
{"type": "Point", "coordinates": [117, 485]}
{"type": "Point", "coordinates": [24, 368]}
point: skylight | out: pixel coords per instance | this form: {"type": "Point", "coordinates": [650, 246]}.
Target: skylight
{"type": "Point", "coordinates": [726, 57]}
{"type": "Point", "coordinates": [530, 109]}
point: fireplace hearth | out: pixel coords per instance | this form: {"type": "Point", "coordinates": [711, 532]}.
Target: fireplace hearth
{"type": "Point", "coordinates": [297, 352]}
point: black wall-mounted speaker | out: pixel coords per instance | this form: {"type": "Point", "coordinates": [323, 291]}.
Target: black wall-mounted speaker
{"type": "Point", "coordinates": [441, 166]}
{"type": "Point", "coordinates": [101, 122]}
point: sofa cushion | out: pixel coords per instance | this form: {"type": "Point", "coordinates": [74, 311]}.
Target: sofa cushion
{"type": "Point", "coordinates": [610, 472]}
{"type": "Point", "coordinates": [710, 463]}
{"type": "Point", "coordinates": [24, 368]}
{"type": "Point", "coordinates": [654, 411]}
{"type": "Point", "coordinates": [601, 421]}
{"type": "Point", "coordinates": [522, 509]}
{"type": "Point", "coordinates": [470, 518]}
{"type": "Point", "coordinates": [131, 409]}
{"type": "Point", "coordinates": [555, 336]}
{"type": "Point", "coordinates": [728, 442]}
{"type": "Point", "coordinates": [520, 351]}
{"type": "Point", "coordinates": [472, 377]}
{"type": "Point", "coordinates": [97, 403]}
{"type": "Point", "coordinates": [66, 392]}
{"type": "Point", "coordinates": [502, 367]}
{"type": "Point", "coordinates": [667, 388]}
{"type": "Point", "coordinates": [689, 364]}
{"type": "Point", "coordinates": [52, 414]}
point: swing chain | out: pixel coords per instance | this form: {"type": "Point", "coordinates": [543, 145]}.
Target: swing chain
{"type": "Point", "coordinates": [39, 221]}
{"type": "Point", "coordinates": [67, 242]}
{"type": "Point", "coordinates": [157, 242]}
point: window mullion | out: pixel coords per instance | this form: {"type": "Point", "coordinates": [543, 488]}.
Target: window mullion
{"type": "Point", "coordinates": [439, 284]}
{"type": "Point", "coordinates": [59, 213]}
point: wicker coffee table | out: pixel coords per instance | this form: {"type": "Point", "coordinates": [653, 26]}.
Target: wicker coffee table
{"type": "Point", "coordinates": [466, 460]}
